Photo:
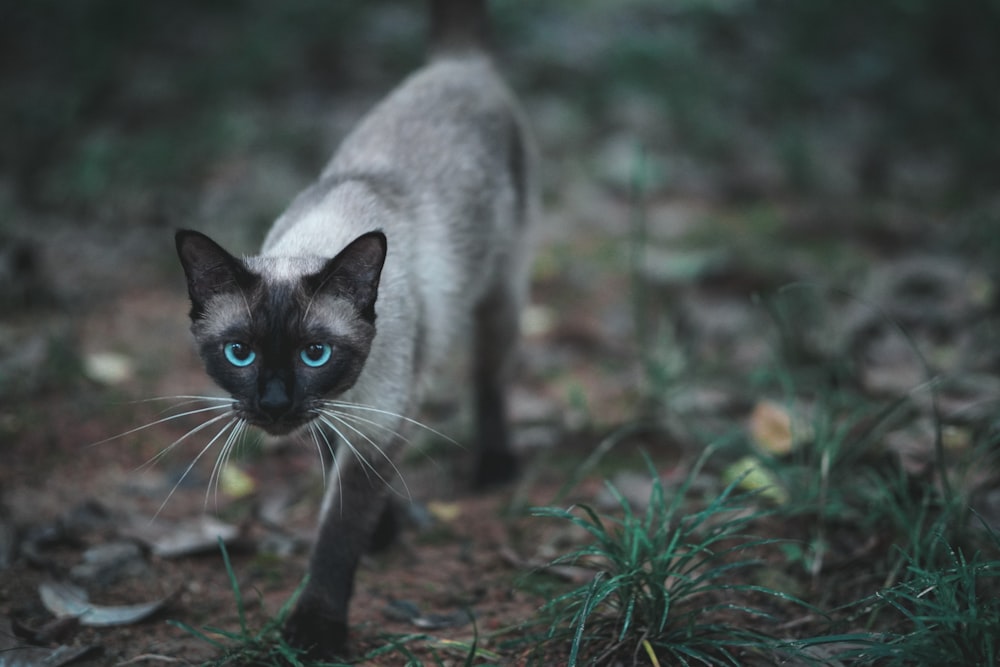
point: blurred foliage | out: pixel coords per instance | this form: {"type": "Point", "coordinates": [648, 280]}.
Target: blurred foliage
{"type": "Point", "coordinates": [103, 94]}
{"type": "Point", "coordinates": [100, 95]}
{"type": "Point", "coordinates": [923, 71]}
{"type": "Point", "coordinates": [924, 66]}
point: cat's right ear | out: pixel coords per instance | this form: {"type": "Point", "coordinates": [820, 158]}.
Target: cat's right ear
{"type": "Point", "coordinates": [355, 272]}
{"type": "Point", "coordinates": [210, 270]}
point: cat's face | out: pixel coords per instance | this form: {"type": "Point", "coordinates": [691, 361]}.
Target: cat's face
{"type": "Point", "coordinates": [281, 335]}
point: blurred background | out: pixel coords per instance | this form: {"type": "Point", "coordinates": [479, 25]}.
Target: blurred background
{"type": "Point", "coordinates": [829, 122]}
{"type": "Point", "coordinates": [759, 142]}
{"type": "Point", "coordinates": [743, 199]}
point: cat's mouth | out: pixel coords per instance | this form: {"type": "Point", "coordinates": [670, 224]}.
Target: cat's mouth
{"type": "Point", "coordinates": [282, 425]}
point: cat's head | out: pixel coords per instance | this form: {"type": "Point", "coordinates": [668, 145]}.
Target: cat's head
{"type": "Point", "coordinates": [282, 334]}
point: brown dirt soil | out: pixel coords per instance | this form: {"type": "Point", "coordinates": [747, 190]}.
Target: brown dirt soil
{"type": "Point", "coordinates": [66, 490]}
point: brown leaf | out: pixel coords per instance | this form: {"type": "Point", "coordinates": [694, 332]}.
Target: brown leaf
{"type": "Point", "coordinates": [771, 428]}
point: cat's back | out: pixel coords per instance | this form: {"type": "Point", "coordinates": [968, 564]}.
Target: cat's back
{"type": "Point", "coordinates": [443, 167]}
{"type": "Point", "coordinates": [450, 115]}
{"type": "Point", "coordinates": [446, 144]}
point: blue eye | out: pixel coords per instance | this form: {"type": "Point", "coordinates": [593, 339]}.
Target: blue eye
{"type": "Point", "coordinates": [239, 354]}
{"type": "Point", "coordinates": [316, 354]}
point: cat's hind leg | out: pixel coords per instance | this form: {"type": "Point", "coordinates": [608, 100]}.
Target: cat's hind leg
{"type": "Point", "coordinates": [495, 346]}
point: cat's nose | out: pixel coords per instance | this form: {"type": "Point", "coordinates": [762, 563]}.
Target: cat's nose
{"type": "Point", "coordinates": [274, 400]}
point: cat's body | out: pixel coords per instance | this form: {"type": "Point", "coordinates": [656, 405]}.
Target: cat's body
{"type": "Point", "coordinates": [410, 245]}
{"type": "Point", "coordinates": [453, 211]}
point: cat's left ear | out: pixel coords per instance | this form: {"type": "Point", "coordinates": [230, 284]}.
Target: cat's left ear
{"type": "Point", "coordinates": [210, 270]}
{"type": "Point", "coordinates": [355, 272]}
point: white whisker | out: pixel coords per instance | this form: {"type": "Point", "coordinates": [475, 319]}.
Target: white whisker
{"type": "Point", "coordinates": [319, 450]}
{"type": "Point", "coordinates": [335, 464]}
{"type": "Point", "coordinates": [176, 406]}
{"type": "Point", "coordinates": [369, 422]}
{"type": "Point", "coordinates": [164, 420]}
{"type": "Point", "coordinates": [237, 440]}
{"type": "Point", "coordinates": [163, 452]}
{"type": "Point", "coordinates": [185, 399]}
{"type": "Point", "coordinates": [347, 443]}
{"type": "Point", "coordinates": [213, 477]}
{"type": "Point", "coordinates": [197, 458]}
{"type": "Point", "coordinates": [190, 397]}
{"type": "Point", "coordinates": [395, 433]}
{"type": "Point", "coordinates": [222, 460]}
{"type": "Point", "coordinates": [325, 418]}
{"type": "Point", "coordinates": [388, 413]}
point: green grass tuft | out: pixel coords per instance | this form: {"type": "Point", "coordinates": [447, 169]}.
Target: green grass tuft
{"type": "Point", "coordinates": [246, 647]}
{"type": "Point", "coordinates": [946, 615]}
{"type": "Point", "coordinates": [666, 584]}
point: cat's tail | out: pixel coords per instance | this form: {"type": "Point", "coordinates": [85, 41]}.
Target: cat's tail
{"type": "Point", "coordinates": [459, 27]}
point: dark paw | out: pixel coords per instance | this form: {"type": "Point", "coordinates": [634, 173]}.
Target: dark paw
{"type": "Point", "coordinates": [495, 468]}
{"type": "Point", "coordinates": [313, 630]}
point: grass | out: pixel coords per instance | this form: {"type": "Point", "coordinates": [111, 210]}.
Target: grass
{"type": "Point", "coordinates": [950, 613]}
{"type": "Point", "coordinates": [680, 582]}
{"type": "Point", "coordinates": [839, 481]}
{"type": "Point", "coordinates": [943, 615]}
{"type": "Point", "coordinates": [675, 584]}
{"type": "Point", "coordinates": [841, 469]}
{"type": "Point", "coordinates": [665, 583]}
{"type": "Point", "coordinates": [253, 648]}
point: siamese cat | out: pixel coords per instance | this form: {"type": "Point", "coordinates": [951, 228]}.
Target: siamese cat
{"type": "Point", "coordinates": [411, 243]}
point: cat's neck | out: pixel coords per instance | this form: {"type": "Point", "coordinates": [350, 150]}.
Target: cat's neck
{"type": "Point", "coordinates": [330, 214]}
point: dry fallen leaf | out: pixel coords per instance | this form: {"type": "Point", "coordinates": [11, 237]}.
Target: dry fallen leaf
{"type": "Point", "coordinates": [187, 537]}
{"type": "Point", "coordinates": [404, 610]}
{"type": "Point", "coordinates": [108, 368]}
{"type": "Point", "coordinates": [235, 482]}
{"type": "Point", "coordinates": [67, 600]}
{"type": "Point", "coordinates": [755, 477]}
{"type": "Point", "coordinates": [444, 512]}
{"type": "Point", "coordinates": [956, 438]}
{"type": "Point", "coordinates": [771, 428]}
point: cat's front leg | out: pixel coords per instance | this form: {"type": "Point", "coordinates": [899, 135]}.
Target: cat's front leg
{"type": "Point", "coordinates": [354, 505]}
{"type": "Point", "coordinates": [318, 625]}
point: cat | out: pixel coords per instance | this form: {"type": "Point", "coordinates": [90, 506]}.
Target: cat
{"type": "Point", "coordinates": [414, 240]}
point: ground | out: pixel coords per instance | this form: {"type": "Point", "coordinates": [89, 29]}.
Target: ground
{"type": "Point", "coordinates": [702, 281]}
